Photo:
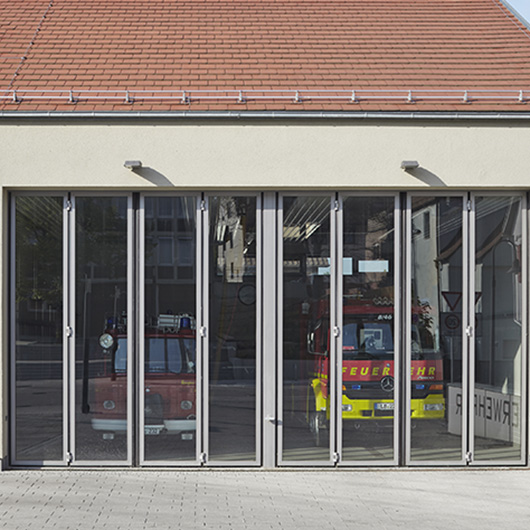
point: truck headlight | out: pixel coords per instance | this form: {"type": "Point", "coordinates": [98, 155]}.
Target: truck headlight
{"type": "Point", "coordinates": [346, 408]}
{"type": "Point", "coordinates": [186, 405]}
{"type": "Point", "coordinates": [106, 341]}
{"type": "Point", "coordinates": [109, 404]}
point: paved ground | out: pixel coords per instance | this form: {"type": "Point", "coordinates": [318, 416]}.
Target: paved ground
{"type": "Point", "coordinates": [483, 499]}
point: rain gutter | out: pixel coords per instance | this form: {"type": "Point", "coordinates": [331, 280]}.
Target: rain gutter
{"type": "Point", "coordinates": [269, 115]}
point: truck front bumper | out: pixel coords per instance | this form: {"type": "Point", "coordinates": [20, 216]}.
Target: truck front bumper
{"type": "Point", "coordinates": [120, 425]}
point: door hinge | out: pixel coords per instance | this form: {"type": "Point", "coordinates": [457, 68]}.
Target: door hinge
{"type": "Point", "coordinates": [468, 206]}
{"type": "Point", "coordinates": [336, 458]}
{"type": "Point", "coordinates": [203, 205]}
{"type": "Point", "coordinates": [469, 457]}
{"type": "Point", "coordinates": [203, 459]}
{"type": "Point", "coordinates": [203, 331]}
{"type": "Point", "coordinates": [336, 331]}
{"type": "Point", "coordinates": [336, 205]}
{"type": "Point", "coordinates": [69, 457]}
{"type": "Point", "coordinates": [469, 331]}
{"type": "Point", "coordinates": [68, 205]}
{"type": "Point", "coordinates": [69, 331]}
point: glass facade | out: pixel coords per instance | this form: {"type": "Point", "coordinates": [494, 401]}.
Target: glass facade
{"type": "Point", "coordinates": [232, 325]}
{"type": "Point", "coordinates": [37, 312]}
{"type": "Point", "coordinates": [101, 369]}
{"type": "Point", "coordinates": [397, 323]}
{"type": "Point", "coordinates": [436, 331]}
{"type": "Point", "coordinates": [369, 324]}
{"type": "Point", "coordinates": [500, 330]}
{"type": "Point", "coordinates": [169, 329]}
{"type": "Point", "coordinates": [306, 345]}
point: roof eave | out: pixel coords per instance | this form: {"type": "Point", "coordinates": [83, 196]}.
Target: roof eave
{"type": "Point", "coordinates": [421, 115]}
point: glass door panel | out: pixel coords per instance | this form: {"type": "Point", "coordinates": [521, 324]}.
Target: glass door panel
{"type": "Point", "coordinates": [369, 323]}
{"type": "Point", "coordinates": [306, 335]}
{"type": "Point", "coordinates": [101, 413]}
{"type": "Point", "coordinates": [37, 329]}
{"type": "Point", "coordinates": [233, 351]}
{"type": "Point", "coordinates": [500, 329]}
{"type": "Point", "coordinates": [168, 336]}
{"type": "Point", "coordinates": [436, 323]}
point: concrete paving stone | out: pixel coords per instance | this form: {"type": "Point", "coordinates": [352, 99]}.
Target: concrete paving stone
{"type": "Point", "coordinates": [133, 500]}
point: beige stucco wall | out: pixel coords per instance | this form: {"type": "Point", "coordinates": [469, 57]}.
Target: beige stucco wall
{"type": "Point", "coordinates": [244, 154]}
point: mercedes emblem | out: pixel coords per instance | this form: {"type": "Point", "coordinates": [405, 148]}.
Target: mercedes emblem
{"type": "Point", "coordinates": [387, 383]}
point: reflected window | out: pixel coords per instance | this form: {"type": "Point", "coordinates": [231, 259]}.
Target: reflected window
{"type": "Point", "coordinates": [165, 251]}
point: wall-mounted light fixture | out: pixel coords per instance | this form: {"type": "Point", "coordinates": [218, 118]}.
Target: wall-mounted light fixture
{"type": "Point", "coordinates": [407, 165]}
{"type": "Point", "coordinates": [133, 164]}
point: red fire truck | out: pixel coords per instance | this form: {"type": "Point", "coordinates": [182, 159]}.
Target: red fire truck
{"type": "Point", "coordinates": [170, 385]}
{"type": "Point", "coordinates": [368, 366]}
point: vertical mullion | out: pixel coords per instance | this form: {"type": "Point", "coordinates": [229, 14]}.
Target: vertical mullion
{"type": "Point", "coordinates": [397, 327]}
{"type": "Point", "coordinates": [72, 325]}
{"type": "Point", "coordinates": [66, 322]}
{"type": "Point", "coordinates": [337, 304]}
{"type": "Point", "coordinates": [279, 324]}
{"type": "Point", "coordinates": [408, 324]}
{"type": "Point", "coordinates": [259, 314]}
{"type": "Point", "coordinates": [268, 328]}
{"type": "Point", "coordinates": [141, 330]}
{"type": "Point", "coordinates": [199, 324]}
{"type": "Point", "coordinates": [332, 372]}
{"type": "Point", "coordinates": [130, 330]}
{"type": "Point", "coordinates": [468, 319]}
{"type": "Point", "coordinates": [12, 327]}
{"type": "Point", "coordinates": [204, 382]}
{"type": "Point", "coordinates": [469, 395]}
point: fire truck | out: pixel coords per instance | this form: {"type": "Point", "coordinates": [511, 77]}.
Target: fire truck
{"type": "Point", "coordinates": [170, 384]}
{"type": "Point", "coordinates": [368, 367]}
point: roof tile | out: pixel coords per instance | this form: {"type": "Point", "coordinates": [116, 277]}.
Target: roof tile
{"type": "Point", "coordinates": [270, 45]}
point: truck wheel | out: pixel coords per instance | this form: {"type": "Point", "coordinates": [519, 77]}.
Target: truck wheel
{"type": "Point", "coordinates": [318, 428]}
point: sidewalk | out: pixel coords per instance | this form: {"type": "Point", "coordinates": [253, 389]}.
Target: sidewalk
{"type": "Point", "coordinates": [388, 499]}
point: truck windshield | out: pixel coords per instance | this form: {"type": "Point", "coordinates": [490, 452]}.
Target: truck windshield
{"type": "Point", "coordinates": [173, 355]}
{"type": "Point", "coordinates": [170, 355]}
{"type": "Point", "coordinates": [367, 339]}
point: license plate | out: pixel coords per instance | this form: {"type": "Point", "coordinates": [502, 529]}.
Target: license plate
{"type": "Point", "coordinates": [153, 430]}
{"type": "Point", "coordinates": [384, 406]}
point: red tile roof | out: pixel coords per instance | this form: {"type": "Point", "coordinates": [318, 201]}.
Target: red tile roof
{"type": "Point", "coordinates": [338, 55]}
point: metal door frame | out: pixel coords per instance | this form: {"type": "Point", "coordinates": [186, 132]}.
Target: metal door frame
{"type": "Point", "coordinates": [140, 382]}
{"type": "Point", "coordinates": [524, 328]}
{"type": "Point", "coordinates": [12, 330]}
{"type": "Point", "coordinates": [396, 324]}
{"type": "Point", "coordinates": [333, 322]}
{"type": "Point", "coordinates": [205, 336]}
{"type": "Point", "coordinates": [408, 328]}
{"type": "Point", "coordinates": [131, 332]}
